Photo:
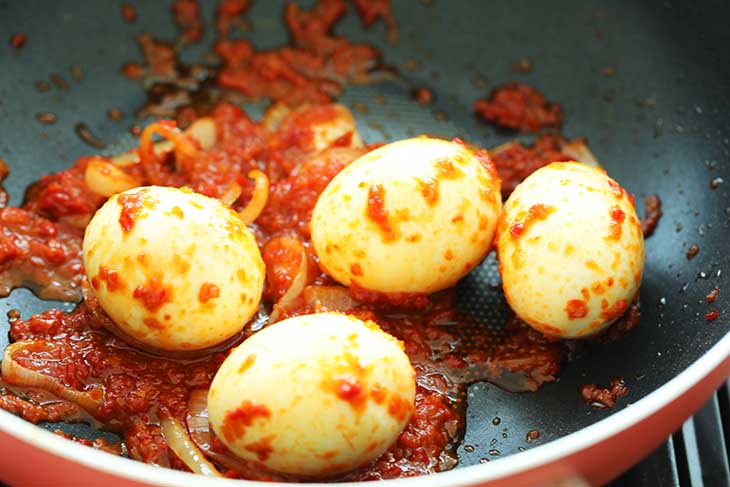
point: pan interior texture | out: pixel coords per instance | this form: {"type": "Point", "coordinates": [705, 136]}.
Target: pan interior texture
{"type": "Point", "coordinates": [658, 123]}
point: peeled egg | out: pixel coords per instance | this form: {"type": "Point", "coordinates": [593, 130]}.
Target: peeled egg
{"type": "Point", "coordinates": [173, 269]}
{"type": "Point", "coordinates": [571, 251]}
{"type": "Point", "coordinates": [412, 216]}
{"type": "Point", "coordinates": [313, 395]}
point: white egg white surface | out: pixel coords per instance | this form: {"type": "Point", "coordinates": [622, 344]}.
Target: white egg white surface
{"type": "Point", "coordinates": [174, 269]}
{"type": "Point", "coordinates": [313, 395]}
{"type": "Point", "coordinates": [413, 216]}
{"type": "Point", "coordinates": [571, 251]}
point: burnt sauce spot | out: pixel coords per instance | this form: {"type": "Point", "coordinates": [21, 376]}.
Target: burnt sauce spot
{"type": "Point", "coordinates": [88, 137]}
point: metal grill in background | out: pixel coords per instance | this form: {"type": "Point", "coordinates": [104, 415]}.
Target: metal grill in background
{"type": "Point", "coordinates": [695, 456]}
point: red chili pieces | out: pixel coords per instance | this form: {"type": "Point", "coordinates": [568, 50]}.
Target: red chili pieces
{"type": "Point", "coordinates": [109, 276]}
{"type": "Point", "coordinates": [153, 294]}
{"type": "Point", "coordinates": [692, 251]}
{"type": "Point", "coordinates": [237, 420]}
{"type": "Point", "coordinates": [208, 291]}
{"type": "Point", "coordinates": [422, 95]}
{"type": "Point", "coordinates": [576, 309]}
{"type": "Point", "coordinates": [187, 18]}
{"type": "Point", "coordinates": [132, 207]}
{"type": "Point", "coordinates": [536, 212]}
{"type": "Point", "coordinates": [17, 41]}
{"type": "Point", "coordinates": [617, 309]}
{"type": "Point", "coordinates": [378, 213]}
{"type": "Point", "coordinates": [515, 161]}
{"type": "Point", "coordinates": [351, 390]}
{"type": "Point", "coordinates": [712, 296]}
{"type": "Point", "coordinates": [520, 107]}
{"type": "Point", "coordinates": [652, 214]}
{"type": "Point", "coordinates": [129, 13]}
{"type": "Point", "coordinates": [229, 14]}
{"type": "Point", "coordinates": [603, 398]}
{"type": "Point", "coordinates": [4, 171]}
{"type": "Point", "coordinates": [617, 220]}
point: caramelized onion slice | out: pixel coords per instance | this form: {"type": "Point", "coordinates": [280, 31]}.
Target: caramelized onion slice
{"type": "Point", "coordinates": [179, 441]}
{"type": "Point", "coordinates": [203, 130]}
{"type": "Point", "coordinates": [274, 115]}
{"type": "Point", "coordinates": [16, 374]}
{"type": "Point", "coordinates": [259, 198]}
{"type": "Point", "coordinates": [295, 289]}
{"type": "Point", "coordinates": [184, 147]}
{"type": "Point", "coordinates": [232, 194]}
{"type": "Point", "coordinates": [329, 298]}
{"type": "Point", "coordinates": [579, 151]}
{"type": "Point", "coordinates": [105, 178]}
{"type": "Point", "coordinates": [197, 419]}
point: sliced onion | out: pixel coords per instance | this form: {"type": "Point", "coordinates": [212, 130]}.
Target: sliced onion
{"type": "Point", "coordinates": [295, 289]}
{"type": "Point", "coordinates": [179, 441]}
{"type": "Point", "coordinates": [232, 194]}
{"type": "Point", "coordinates": [203, 130]}
{"type": "Point", "coordinates": [131, 157]}
{"type": "Point", "coordinates": [185, 148]}
{"type": "Point", "coordinates": [499, 148]}
{"type": "Point", "coordinates": [258, 199]}
{"type": "Point", "coordinates": [42, 397]}
{"type": "Point", "coordinates": [16, 374]}
{"type": "Point", "coordinates": [197, 419]}
{"type": "Point", "coordinates": [331, 298]}
{"type": "Point", "coordinates": [78, 221]}
{"type": "Point", "coordinates": [578, 150]}
{"type": "Point", "coordinates": [105, 178]}
{"type": "Point", "coordinates": [274, 115]}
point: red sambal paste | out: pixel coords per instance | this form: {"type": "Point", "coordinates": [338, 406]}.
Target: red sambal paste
{"type": "Point", "coordinates": [79, 350]}
{"type": "Point", "coordinates": [520, 107]}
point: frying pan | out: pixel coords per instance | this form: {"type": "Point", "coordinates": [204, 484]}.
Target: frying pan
{"type": "Point", "coordinates": [659, 125]}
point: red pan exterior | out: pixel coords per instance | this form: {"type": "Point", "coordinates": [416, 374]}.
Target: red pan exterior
{"type": "Point", "coordinates": [22, 463]}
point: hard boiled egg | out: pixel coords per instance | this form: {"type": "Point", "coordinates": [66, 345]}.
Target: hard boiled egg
{"type": "Point", "coordinates": [412, 216]}
{"type": "Point", "coordinates": [571, 251]}
{"type": "Point", "coordinates": [313, 395]}
{"type": "Point", "coordinates": [173, 269]}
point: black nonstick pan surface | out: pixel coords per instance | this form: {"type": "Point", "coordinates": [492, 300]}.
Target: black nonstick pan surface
{"type": "Point", "coordinates": [658, 124]}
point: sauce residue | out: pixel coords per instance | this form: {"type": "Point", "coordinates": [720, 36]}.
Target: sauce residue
{"type": "Point", "coordinates": [378, 213]}
{"type": "Point", "coordinates": [520, 107]}
{"type": "Point", "coordinates": [535, 213]}
{"type": "Point", "coordinates": [603, 398]}
{"type": "Point", "coordinates": [129, 13]}
{"type": "Point", "coordinates": [237, 420]}
{"type": "Point", "coordinates": [133, 205]}
{"type": "Point", "coordinates": [208, 291]}
{"type": "Point", "coordinates": [576, 309]}
{"type": "Point", "coordinates": [17, 41]}
{"type": "Point", "coordinates": [616, 222]}
{"type": "Point", "coordinates": [153, 293]}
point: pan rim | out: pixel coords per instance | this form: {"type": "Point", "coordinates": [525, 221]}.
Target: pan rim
{"type": "Point", "coordinates": [499, 468]}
